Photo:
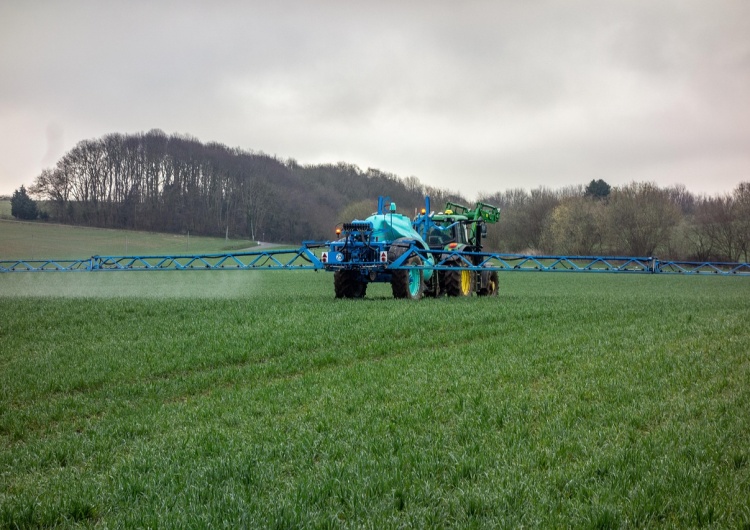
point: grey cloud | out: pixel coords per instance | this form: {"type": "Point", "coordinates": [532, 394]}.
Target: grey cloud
{"type": "Point", "coordinates": [528, 93]}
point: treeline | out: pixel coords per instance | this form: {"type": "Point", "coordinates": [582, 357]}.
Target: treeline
{"type": "Point", "coordinates": [639, 219]}
{"type": "Point", "coordinates": [151, 181]}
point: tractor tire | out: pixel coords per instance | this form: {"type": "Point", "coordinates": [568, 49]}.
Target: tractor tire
{"type": "Point", "coordinates": [492, 285]}
{"type": "Point", "coordinates": [408, 283]}
{"type": "Point", "coordinates": [433, 287]}
{"type": "Point", "coordinates": [347, 284]}
{"type": "Point", "coordinates": [458, 282]}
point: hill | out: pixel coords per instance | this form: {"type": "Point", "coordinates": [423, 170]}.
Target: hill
{"type": "Point", "coordinates": [151, 181]}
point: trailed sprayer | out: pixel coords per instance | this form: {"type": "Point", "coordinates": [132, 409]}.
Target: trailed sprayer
{"type": "Point", "coordinates": [431, 254]}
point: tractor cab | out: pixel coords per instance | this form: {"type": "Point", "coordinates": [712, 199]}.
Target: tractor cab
{"type": "Point", "coordinates": [458, 227]}
{"type": "Point", "coordinates": [445, 229]}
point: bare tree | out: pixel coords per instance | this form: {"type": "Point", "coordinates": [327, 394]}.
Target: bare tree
{"type": "Point", "coordinates": [682, 198]}
{"type": "Point", "coordinates": [640, 218]}
{"type": "Point", "coordinates": [741, 197]}
{"type": "Point", "coordinates": [715, 222]}
{"type": "Point", "coordinates": [523, 220]}
{"type": "Point", "coordinates": [576, 227]}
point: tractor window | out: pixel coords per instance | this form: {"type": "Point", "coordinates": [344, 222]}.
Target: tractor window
{"type": "Point", "coordinates": [440, 238]}
{"type": "Point", "coordinates": [460, 230]}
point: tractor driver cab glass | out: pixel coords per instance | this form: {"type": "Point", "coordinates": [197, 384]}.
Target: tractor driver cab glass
{"type": "Point", "coordinates": [460, 230]}
{"type": "Point", "coordinates": [438, 238]}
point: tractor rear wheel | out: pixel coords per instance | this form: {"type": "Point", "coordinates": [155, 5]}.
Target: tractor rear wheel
{"type": "Point", "coordinates": [492, 283]}
{"type": "Point", "coordinates": [347, 284]}
{"type": "Point", "coordinates": [408, 283]}
{"type": "Point", "coordinates": [458, 282]}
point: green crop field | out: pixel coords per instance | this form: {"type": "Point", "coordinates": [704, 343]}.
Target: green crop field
{"type": "Point", "coordinates": [255, 399]}
{"type": "Point", "coordinates": [5, 209]}
{"type": "Point", "coordinates": [24, 240]}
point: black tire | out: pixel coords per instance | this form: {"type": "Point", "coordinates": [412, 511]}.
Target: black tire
{"type": "Point", "coordinates": [347, 284]}
{"type": "Point", "coordinates": [408, 283]}
{"type": "Point", "coordinates": [492, 285]}
{"type": "Point", "coordinates": [458, 282]}
{"type": "Point", "coordinates": [432, 287]}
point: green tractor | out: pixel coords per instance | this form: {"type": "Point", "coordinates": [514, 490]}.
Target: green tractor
{"type": "Point", "coordinates": [459, 229]}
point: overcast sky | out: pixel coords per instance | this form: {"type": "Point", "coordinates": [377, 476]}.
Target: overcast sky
{"type": "Point", "coordinates": [465, 95]}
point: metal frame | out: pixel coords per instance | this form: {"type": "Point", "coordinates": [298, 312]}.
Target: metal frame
{"type": "Point", "coordinates": [305, 258]}
{"type": "Point", "coordinates": [302, 258]}
{"type": "Point", "coordinates": [552, 263]}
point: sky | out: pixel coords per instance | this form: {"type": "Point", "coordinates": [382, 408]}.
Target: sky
{"type": "Point", "coordinates": [470, 96]}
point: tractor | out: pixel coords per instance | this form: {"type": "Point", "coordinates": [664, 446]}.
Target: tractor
{"type": "Point", "coordinates": [427, 255]}
{"type": "Point", "coordinates": [459, 230]}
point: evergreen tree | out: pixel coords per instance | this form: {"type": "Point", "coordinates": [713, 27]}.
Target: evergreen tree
{"type": "Point", "coordinates": [597, 189]}
{"type": "Point", "coordinates": [22, 206]}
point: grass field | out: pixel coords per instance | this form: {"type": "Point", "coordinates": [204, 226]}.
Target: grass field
{"type": "Point", "coordinates": [19, 240]}
{"type": "Point", "coordinates": [255, 399]}
{"type": "Point", "coordinates": [5, 209]}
